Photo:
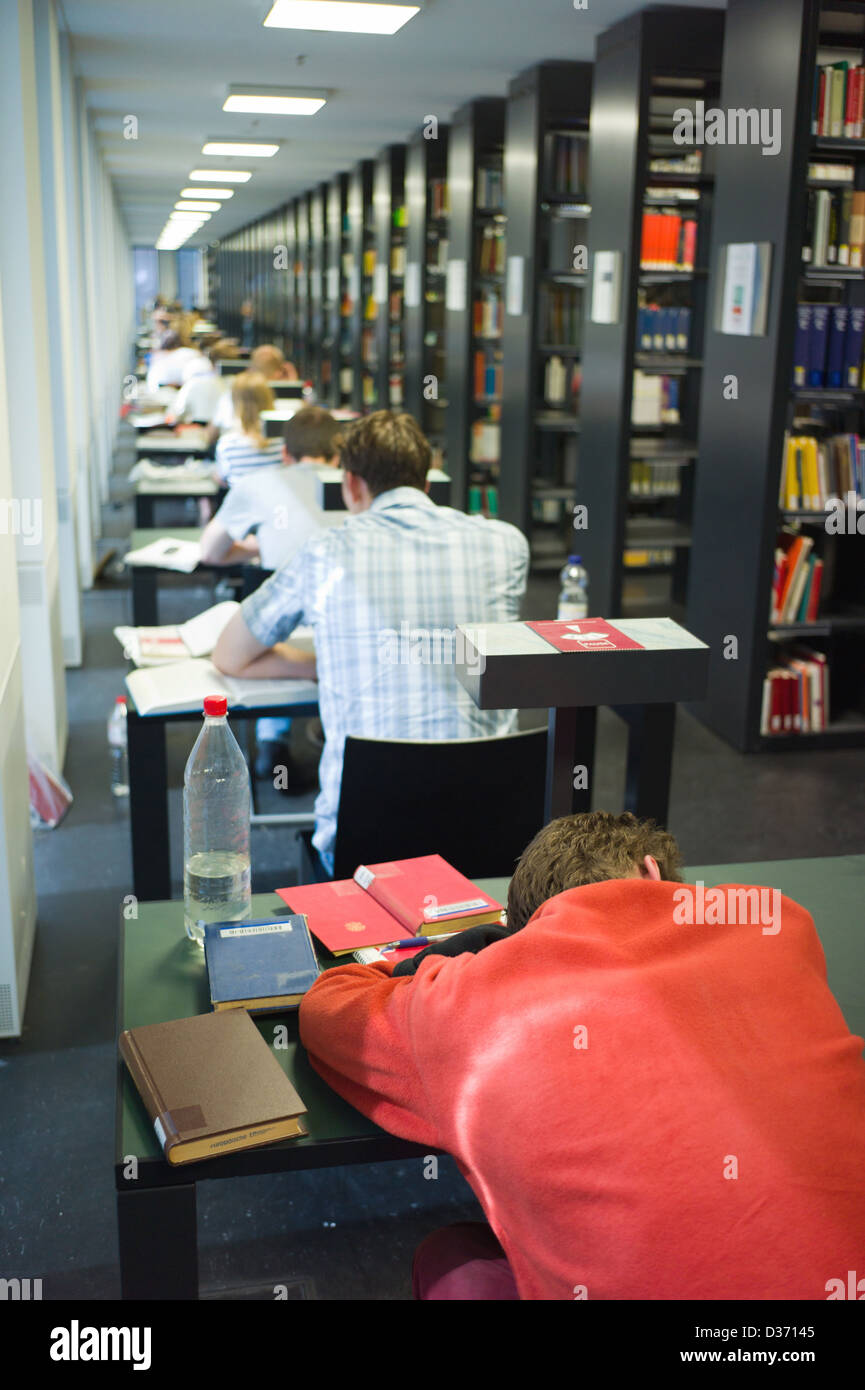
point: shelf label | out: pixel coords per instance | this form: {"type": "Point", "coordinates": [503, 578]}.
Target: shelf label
{"type": "Point", "coordinates": [455, 292]}
{"type": "Point", "coordinates": [514, 285]}
{"type": "Point", "coordinates": [379, 283]}
{"type": "Point", "coordinates": [606, 286]}
{"type": "Point", "coordinates": [411, 288]}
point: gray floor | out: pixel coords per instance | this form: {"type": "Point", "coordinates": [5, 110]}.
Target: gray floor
{"type": "Point", "coordinates": [333, 1234]}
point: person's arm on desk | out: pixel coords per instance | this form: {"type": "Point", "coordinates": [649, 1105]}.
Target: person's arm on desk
{"type": "Point", "coordinates": [253, 642]}
{"type": "Point", "coordinates": [238, 653]}
{"type": "Point", "coordinates": [218, 546]}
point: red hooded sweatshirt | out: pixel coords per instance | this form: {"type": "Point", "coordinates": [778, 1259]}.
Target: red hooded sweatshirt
{"type": "Point", "coordinates": [647, 1105]}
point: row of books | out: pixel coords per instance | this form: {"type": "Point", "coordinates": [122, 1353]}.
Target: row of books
{"type": "Point", "coordinates": [838, 104]}
{"type": "Point", "coordinates": [491, 251]}
{"type": "Point", "coordinates": [483, 500]}
{"type": "Point", "coordinates": [395, 306]}
{"type": "Point", "coordinates": [655, 480]}
{"type": "Point", "coordinates": [796, 694]}
{"type": "Point", "coordinates": [369, 261]}
{"type": "Point", "coordinates": [815, 470]}
{"type": "Point", "coordinates": [487, 376]}
{"type": "Point", "coordinates": [669, 241]}
{"type": "Point", "coordinates": [438, 198]}
{"type": "Point", "coordinates": [655, 399]}
{"type": "Point", "coordinates": [399, 216]}
{"type": "Point", "coordinates": [488, 315]}
{"type": "Point", "coordinates": [562, 381]}
{"type": "Point", "coordinates": [662, 329]}
{"type": "Point", "coordinates": [490, 190]}
{"type": "Point", "coordinates": [397, 260]}
{"type": "Point", "coordinates": [796, 580]}
{"type": "Point", "coordinates": [485, 446]}
{"type": "Point", "coordinates": [648, 559]}
{"type": "Point", "coordinates": [690, 163]}
{"type": "Point", "coordinates": [828, 346]}
{"type": "Point", "coordinates": [561, 314]}
{"type": "Point", "coordinates": [833, 172]}
{"type": "Point", "coordinates": [834, 228]}
{"type": "Point", "coordinates": [437, 255]}
{"type": "Point", "coordinates": [568, 163]}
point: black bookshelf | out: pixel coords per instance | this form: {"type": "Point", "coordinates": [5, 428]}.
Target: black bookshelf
{"type": "Point", "coordinates": [337, 343]}
{"type": "Point", "coordinates": [388, 197]}
{"type": "Point", "coordinates": [319, 362]}
{"type": "Point", "coordinates": [362, 318]}
{"type": "Point", "coordinates": [301, 283]}
{"type": "Point", "coordinates": [646, 68]}
{"type": "Point", "coordinates": [546, 176]}
{"type": "Point", "coordinates": [774, 48]}
{"type": "Point", "coordinates": [289, 284]}
{"type": "Point", "coordinates": [426, 266]}
{"type": "Point", "coordinates": [477, 220]}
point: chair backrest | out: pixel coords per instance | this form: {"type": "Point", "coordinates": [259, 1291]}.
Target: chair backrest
{"type": "Point", "coordinates": [476, 802]}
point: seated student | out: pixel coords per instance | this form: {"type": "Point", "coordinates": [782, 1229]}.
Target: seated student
{"type": "Point", "coordinates": [399, 561]}
{"type": "Point", "coordinates": [268, 360]}
{"type": "Point", "coordinates": [167, 365]}
{"type": "Point", "coordinates": [198, 397]}
{"type": "Point", "coordinates": [645, 1108]}
{"type": "Point", "coordinates": [244, 448]}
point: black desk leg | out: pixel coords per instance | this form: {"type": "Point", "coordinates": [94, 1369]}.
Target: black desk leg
{"type": "Point", "coordinates": [145, 604]}
{"type": "Point", "coordinates": [158, 1241]}
{"type": "Point", "coordinates": [148, 807]}
{"type": "Point", "coordinates": [144, 511]}
{"type": "Point", "coordinates": [570, 749]}
{"type": "Point", "coordinates": [650, 760]}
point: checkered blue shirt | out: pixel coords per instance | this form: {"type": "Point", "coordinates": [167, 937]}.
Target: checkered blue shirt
{"type": "Point", "coordinates": [383, 594]}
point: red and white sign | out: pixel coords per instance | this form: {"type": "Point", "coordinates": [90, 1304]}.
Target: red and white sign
{"type": "Point", "coordinates": [585, 635]}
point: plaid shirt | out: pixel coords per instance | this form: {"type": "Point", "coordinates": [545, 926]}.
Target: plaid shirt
{"type": "Point", "coordinates": [383, 594]}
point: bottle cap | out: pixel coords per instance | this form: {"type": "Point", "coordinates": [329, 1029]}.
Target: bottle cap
{"type": "Point", "coordinates": [215, 705]}
{"type": "Point", "coordinates": [577, 559]}
{"type": "Point", "coordinates": [120, 699]}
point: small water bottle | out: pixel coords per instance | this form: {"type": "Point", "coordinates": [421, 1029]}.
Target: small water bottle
{"type": "Point", "coordinates": [117, 747]}
{"type": "Point", "coordinates": [574, 591]}
{"type": "Point", "coordinates": [216, 805]}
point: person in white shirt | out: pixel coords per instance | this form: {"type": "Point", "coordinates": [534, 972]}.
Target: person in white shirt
{"type": "Point", "coordinates": [269, 361]}
{"type": "Point", "coordinates": [244, 448]}
{"type": "Point", "coordinates": [167, 365]}
{"type": "Point", "coordinates": [198, 398]}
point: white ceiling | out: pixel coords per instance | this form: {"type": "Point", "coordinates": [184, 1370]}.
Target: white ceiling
{"type": "Point", "coordinates": [169, 63]}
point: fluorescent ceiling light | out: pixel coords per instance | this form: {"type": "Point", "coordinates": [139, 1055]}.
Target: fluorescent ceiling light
{"type": "Point", "coordinates": [208, 193]}
{"type": "Point", "coordinates": [241, 149]}
{"type": "Point", "coordinates": [339, 16]}
{"type": "Point", "coordinates": [221, 175]}
{"type": "Point", "coordinates": [188, 206]}
{"type": "Point", "coordinates": [274, 101]}
{"type": "Point", "coordinates": [199, 218]}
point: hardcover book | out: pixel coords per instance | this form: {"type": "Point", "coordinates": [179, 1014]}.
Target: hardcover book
{"type": "Point", "coordinates": [262, 966]}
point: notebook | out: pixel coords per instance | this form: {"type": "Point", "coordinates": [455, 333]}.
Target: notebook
{"type": "Point", "coordinates": [423, 896]}
{"type": "Point", "coordinates": [211, 1085]}
{"type": "Point", "coordinates": [262, 966]}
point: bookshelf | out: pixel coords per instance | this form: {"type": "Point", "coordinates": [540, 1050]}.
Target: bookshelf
{"type": "Point", "coordinates": [738, 507]}
{"type": "Point", "coordinates": [337, 314]}
{"type": "Point", "coordinates": [301, 284]}
{"type": "Point", "coordinates": [319, 362]}
{"type": "Point", "coordinates": [426, 265]}
{"type": "Point", "coordinates": [362, 317]}
{"type": "Point", "coordinates": [639, 404]}
{"type": "Point", "coordinates": [389, 219]}
{"type": "Point", "coordinates": [546, 176]}
{"type": "Point", "coordinates": [474, 297]}
{"type": "Point", "coordinates": [286, 279]}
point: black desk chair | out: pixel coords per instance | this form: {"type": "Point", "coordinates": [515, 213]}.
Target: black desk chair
{"type": "Point", "coordinates": [477, 802]}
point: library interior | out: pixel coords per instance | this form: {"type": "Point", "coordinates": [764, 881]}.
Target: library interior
{"type": "Point", "coordinates": [364, 370]}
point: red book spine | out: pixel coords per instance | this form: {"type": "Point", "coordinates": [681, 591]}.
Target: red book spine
{"type": "Point", "coordinates": [850, 104]}
{"type": "Point", "coordinates": [860, 102]}
{"type": "Point", "coordinates": [817, 126]}
{"type": "Point", "coordinates": [814, 596]}
{"type": "Point", "coordinates": [689, 253]}
{"type": "Point", "coordinates": [775, 712]}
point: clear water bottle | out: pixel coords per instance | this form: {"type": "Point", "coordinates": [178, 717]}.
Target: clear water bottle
{"type": "Point", "coordinates": [574, 591]}
{"type": "Point", "coordinates": [118, 748]}
{"type": "Point", "coordinates": [216, 805]}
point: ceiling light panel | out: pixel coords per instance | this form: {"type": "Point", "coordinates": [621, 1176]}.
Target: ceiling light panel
{"type": "Point", "coordinates": [220, 176]}
{"type": "Point", "coordinates": [337, 16]}
{"type": "Point", "coordinates": [239, 149]}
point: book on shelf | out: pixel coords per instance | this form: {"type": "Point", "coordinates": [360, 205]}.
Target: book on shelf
{"type": "Point", "coordinates": [837, 107]}
{"type": "Point", "coordinates": [489, 189]}
{"type": "Point", "coordinates": [663, 329]}
{"type": "Point", "coordinates": [382, 903]}
{"type": "Point", "coordinates": [796, 579]}
{"type": "Point", "coordinates": [182, 686]}
{"type": "Point", "coordinates": [438, 198]}
{"type": "Point", "coordinates": [690, 164]}
{"type": "Point", "coordinates": [828, 346]}
{"type": "Point", "coordinates": [834, 228]}
{"type": "Point", "coordinates": [669, 241]}
{"type": "Point", "coordinates": [485, 446]}
{"type": "Point", "coordinates": [796, 694]}
{"type": "Point", "coordinates": [831, 173]}
{"type": "Point", "coordinates": [655, 399]}
{"type": "Point", "coordinates": [816, 470]}
{"type": "Point", "coordinates": [567, 163]}
{"type": "Point", "coordinates": [262, 966]}
{"type": "Point", "coordinates": [491, 251]}
{"type": "Point", "coordinates": [655, 480]}
{"type": "Point", "coordinates": [487, 375]}
{"type": "Point", "coordinates": [561, 314]}
{"type": "Point", "coordinates": [488, 314]}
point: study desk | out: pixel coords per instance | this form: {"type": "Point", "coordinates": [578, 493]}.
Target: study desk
{"type": "Point", "coordinates": [150, 491]}
{"type": "Point", "coordinates": [162, 976]}
{"type": "Point", "coordinates": [330, 486]}
{"type": "Point", "coordinates": [157, 441]}
{"type": "Point", "coordinates": [148, 786]}
{"type": "Point", "coordinates": [145, 578]}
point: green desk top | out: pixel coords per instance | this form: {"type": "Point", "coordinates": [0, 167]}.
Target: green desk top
{"type": "Point", "coordinates": [147, 536]}
{"type": "Point", "coordinates": [164, 977]}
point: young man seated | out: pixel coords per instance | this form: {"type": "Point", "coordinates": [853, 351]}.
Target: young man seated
{"type": "Point", "coordinates": [281, 501]}
{"type": "Point", "coordinates": [399, 562]}
{"type": "Point", "coordinates": [647, 1104]}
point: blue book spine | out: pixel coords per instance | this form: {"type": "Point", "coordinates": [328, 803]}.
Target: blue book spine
{"type": "Point", "coordinates": [801, 345]}
{"type": "Point", "coordinates": [817, 347]}
{"type": "Point", "coordinates": [670, 316]}
{"type": "Point", "coordinates": [658, 329]}
{"type": "Point", "coordinates": [644, 331]}
{"type": "Point", "coordinates": [835, 346]}
{"type": "Point", "coordinates": [683, 330]}
{"type": "Point", "coordinates": [853, 348]}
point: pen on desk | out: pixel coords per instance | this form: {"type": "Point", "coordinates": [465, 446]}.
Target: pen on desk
{"type": "Point", "coordinates": [417, 941]}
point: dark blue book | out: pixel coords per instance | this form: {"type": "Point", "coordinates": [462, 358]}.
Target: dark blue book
{"type": "Point", "coordinates": [817, 349]}
{"type": "Point", "coordinates": [835, 347]}
{"type": "Point", "coordinates": [801, 345]}
{"type": "Point", "coordinates": [853, 344]}
{"type": "Point", "coordinates": [264, 966]}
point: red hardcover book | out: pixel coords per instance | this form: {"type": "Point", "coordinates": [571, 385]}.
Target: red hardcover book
{"type": "Point", "coordinates": [814, 596]}
{"type": "Point", "coordinates": [860, 103]}
{"type": "Point", "coordinates": [584, 635]}
{"type": "Point", "coordinates": [850, 105]}
{"type": "Point", "coordinates": [644, 240]}
{"type": "Point", "coordinates": [689, 247]}
{"type": "Point", "coordinates": [387, 902]}
{"type": "Point", "coordinates": [817, 125]}
{"type": "Point", "coordinates": [776, 714]}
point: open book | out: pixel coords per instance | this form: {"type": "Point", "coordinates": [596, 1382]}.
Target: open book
{"type": "Point", "coordinates": [167, 554]}
{"type": "Point", "coordinates": [182, 687]}
{"type": "Point", "coordinates": [158, 646]}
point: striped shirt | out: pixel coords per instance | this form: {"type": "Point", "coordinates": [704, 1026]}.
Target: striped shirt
{"type": "Point", "coordinates": [237, 455]}
{"type": "Point", "coordinates": [383, 594]}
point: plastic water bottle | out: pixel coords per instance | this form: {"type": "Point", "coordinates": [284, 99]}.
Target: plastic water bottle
{"type": "Point", "coordinates": [118, 748]}
{"type": "Point", "coordinates": [574, 591]}
{"type": "Point", "coordinates": [216, 803]}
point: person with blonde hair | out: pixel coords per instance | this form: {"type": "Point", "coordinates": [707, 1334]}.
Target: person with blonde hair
{"type": "Point", "coordinates": [244, 448]}
{"type": "Point", "coordinates": [268, 360]}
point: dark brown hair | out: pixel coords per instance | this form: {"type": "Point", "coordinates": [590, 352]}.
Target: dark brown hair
{"type": "Point", "coordinates": [586, 848]}
{"type": "Point", "coordinates": [386, 450]}
{"type": "Point", "coordinates": [311, 433]}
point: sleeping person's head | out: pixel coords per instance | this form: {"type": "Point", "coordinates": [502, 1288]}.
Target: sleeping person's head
{"type": "Point", "coordinates": [588, 848]}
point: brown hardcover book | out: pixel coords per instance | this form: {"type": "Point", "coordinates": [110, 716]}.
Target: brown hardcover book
{"type": "Point", "coordinates": [211, 1085]}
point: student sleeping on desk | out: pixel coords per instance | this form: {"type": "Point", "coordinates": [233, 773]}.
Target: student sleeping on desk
{"type": "Point", "coordinates": [650, 1100]}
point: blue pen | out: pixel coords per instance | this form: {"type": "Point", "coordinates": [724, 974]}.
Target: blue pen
{"type": "Point", "coordinates": [417, 941]}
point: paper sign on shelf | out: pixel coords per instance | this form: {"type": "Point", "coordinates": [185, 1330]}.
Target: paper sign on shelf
{"type": "Point", "coordinates": [455, 291]}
